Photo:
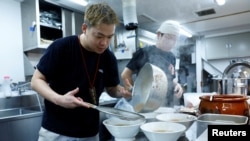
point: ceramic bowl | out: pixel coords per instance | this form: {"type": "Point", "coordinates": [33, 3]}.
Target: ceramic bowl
{"type": "Point", "coordinates": [162, 131]}
{"type": "Point", "coordinates": [162, 110]}
{"type": "Point", "coordinates": [123, 130]}
{"type": "Point", "coordinates": [149, 116]}
{"type": "Point", "coordinates": [185, 119]}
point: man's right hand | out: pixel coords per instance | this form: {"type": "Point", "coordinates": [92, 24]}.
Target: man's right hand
{"type": "Point", "coordinates": [69, 100]}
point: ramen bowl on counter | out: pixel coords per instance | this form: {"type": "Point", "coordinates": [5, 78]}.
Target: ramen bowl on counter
{"type": "Point", "coordinates": [185, 119]}
{"type": "Point", "coordinates": [162, 131]}
{"type": "Point", "coordinates": [123, 130]}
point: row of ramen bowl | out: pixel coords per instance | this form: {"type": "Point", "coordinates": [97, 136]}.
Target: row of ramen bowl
{"type": "Point", "coordinates": [165, 124]}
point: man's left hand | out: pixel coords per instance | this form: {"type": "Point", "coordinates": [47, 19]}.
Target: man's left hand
{"type": "Point", "coordinates": [178, 90]}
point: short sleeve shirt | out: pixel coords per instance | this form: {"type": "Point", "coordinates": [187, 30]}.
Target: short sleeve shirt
{"type": "Point", "coordinates": [62, 64]}
{"type": "Point", "coordinates": [164, 60]}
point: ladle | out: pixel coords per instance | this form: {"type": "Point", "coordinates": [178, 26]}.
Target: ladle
{"type": "Point", "coordinates": [122, 114]}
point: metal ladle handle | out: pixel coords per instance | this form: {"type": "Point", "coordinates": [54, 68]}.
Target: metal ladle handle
{"type": "Point", "coordinates": [122, 114]}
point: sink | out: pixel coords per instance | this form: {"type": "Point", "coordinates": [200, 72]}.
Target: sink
{"type": "Point", "coordinates": [26, 92]}
{"type": "Point", "coordinates": [6, 113]}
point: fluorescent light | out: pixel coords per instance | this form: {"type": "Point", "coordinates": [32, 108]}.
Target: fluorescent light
{"type": "Point", "coordinates": [147, 41]}
{"type": "Point", "coordinates": [186, 33]}
{"type": "Point", "coordinates": [81, 2]}
{"type": "Point", "coordinates": [220, 2]}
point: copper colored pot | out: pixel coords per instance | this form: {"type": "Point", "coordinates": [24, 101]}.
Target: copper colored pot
{"type": "Point", "coordinates": [224, 104]}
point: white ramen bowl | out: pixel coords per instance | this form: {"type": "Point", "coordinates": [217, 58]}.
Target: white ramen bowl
{"type": "Point", "coordinates": [123, 130]}
{"type": "Point", "coordinates": [185, 119]}
{"type": "Point", "coordinates": [162, 131]}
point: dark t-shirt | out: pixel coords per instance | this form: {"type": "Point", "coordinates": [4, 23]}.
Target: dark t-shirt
{"type": "Point", "coordinates": [164, 60]}
{"type": "Point", "coordinates": [63, 67]}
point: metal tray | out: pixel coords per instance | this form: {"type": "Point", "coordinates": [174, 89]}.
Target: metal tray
{"type": "Point", "coordinates": [214, 119]}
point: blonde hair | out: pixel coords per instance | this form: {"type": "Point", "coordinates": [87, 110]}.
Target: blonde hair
{"type": "Point", "coordinates": [98, 13]}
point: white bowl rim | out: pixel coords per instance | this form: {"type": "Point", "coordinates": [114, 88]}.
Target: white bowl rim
{"type": "Point", "coordinates": [192, 117]}
{"type": "Point", "coordinates": [182, 127]}
{"type": "Point", "coordinates": [129, 125]}
{"type": "Point", "coordinates": [162, 110]}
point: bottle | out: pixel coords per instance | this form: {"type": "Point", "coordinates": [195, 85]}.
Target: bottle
{"type": "Point", "coordinates": [6, 87]}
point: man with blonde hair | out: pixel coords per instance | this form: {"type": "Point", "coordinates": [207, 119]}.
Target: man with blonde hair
{"type": "Point", "coordinates": [75, 70]}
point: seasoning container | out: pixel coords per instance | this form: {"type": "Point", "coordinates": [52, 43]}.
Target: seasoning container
{"type": "Point", "coordinates": [6, 87]}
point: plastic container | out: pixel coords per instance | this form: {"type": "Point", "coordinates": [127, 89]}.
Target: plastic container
{"type": "Point", "coordinates": [193, 99]}
{"type": "Point", "coordinates": [6, 87]}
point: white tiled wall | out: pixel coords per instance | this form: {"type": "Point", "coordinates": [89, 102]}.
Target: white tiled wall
{"type": "Point", "coordinates": [11, 50]}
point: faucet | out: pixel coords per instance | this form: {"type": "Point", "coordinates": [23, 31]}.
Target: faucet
{"type": "Point", "coordinates": [19, 87]}
{"type": "Point", "coordinates": [20, 90]}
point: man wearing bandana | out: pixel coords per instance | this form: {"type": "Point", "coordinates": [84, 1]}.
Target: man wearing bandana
{"type": "Point", "coordinates": [161, 56]}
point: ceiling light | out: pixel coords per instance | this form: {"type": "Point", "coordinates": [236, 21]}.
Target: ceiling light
{"type": "Point", "coordinates": [186, 33]}
{"type": "Point", "coordinates": [220, 2]}
{"type": "Point", "coordinates": [81, 2]}
{"type": "Point", "coordinates": [150, 42]}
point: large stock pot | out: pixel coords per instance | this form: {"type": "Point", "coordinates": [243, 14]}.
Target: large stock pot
{"type": "Point", "coordinates": [150, 89]}
{"type": "Point", "coordinates": [236, 78]}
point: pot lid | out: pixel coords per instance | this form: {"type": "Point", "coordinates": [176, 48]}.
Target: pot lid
{"type": "Point", "coordinates": [237, 70]}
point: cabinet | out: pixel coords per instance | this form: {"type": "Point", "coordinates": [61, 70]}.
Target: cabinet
{"type": "Point", "coordinates": [230, 46]}
{"type": "Point", "coordinates": [41, 24]}
{"type": "Point", "coordinates": [72, 22]}
{"type": "Point", "coordinates": [66, 20]}
{"type": "Point", "coordinates": [77, 19]}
